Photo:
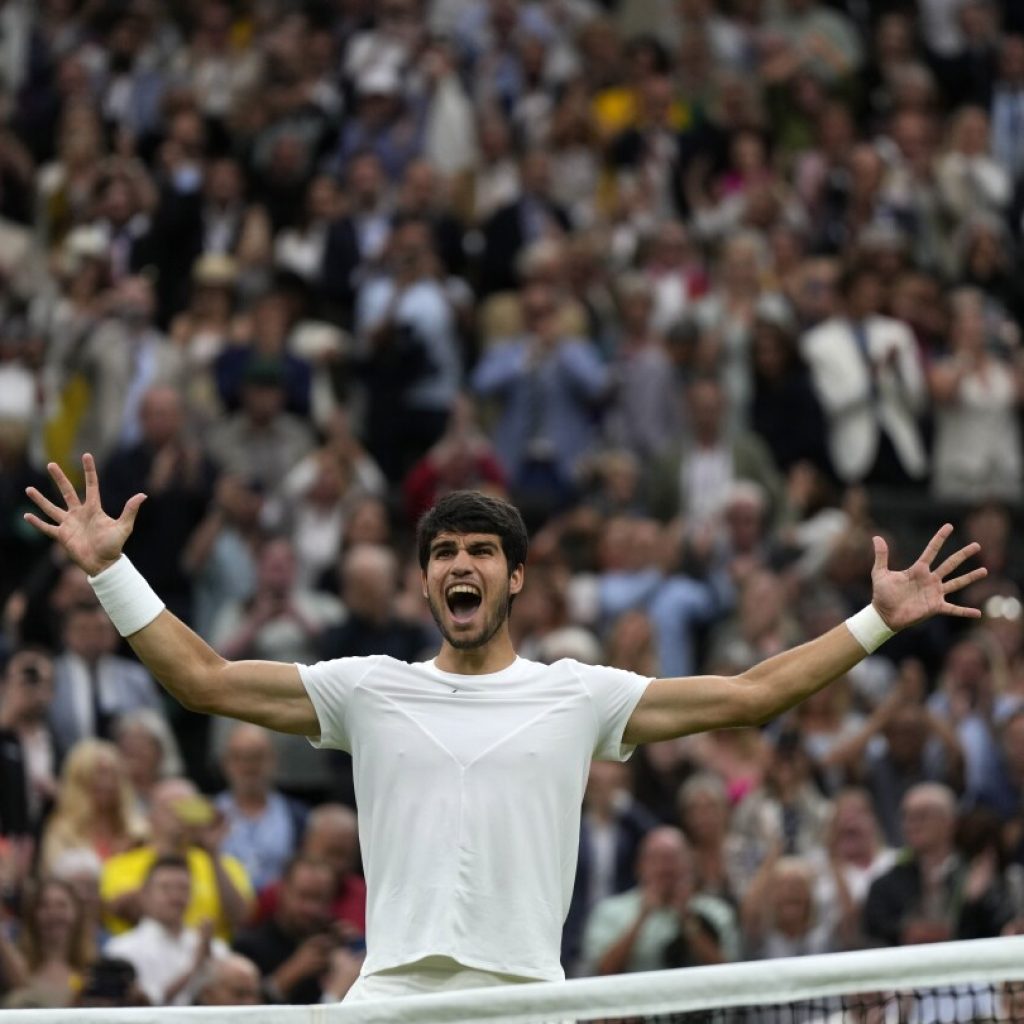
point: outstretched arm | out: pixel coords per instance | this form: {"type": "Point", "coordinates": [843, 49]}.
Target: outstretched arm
{"type": "Point", "coordinates": [264, 692]}
{"type": "Point", "coordinates": [675, 707]}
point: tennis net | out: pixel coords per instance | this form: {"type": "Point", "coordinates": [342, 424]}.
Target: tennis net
{"type": "Point", "coordinates": [946, 983]}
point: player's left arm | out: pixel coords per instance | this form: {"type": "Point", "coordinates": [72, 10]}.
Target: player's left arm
{"type": "Point", "coordinates": [676, 707]}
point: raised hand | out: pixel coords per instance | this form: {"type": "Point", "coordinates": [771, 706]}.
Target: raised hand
{"type": "Point", "coordinates": [904, 597]}
{"type": "Point", "coordinates": [91, 538]}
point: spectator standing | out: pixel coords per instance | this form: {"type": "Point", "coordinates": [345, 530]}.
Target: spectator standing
{"type": "Point", "coordinates": [548, 386]}
{"type": "Point", "coordinates": [977, 396]}
{"type": "Point", "coordinates": [91, 684]}
{"type": "Point", "coordinates": [120, 361]}
{"type": "Point", "coordinates": [170, 467]}
{"type": "Point", "coordinates": [410, 350]}
{"type": "Point", "coordinates": [28, 749]}
{"type": "Point", "coordinates": [869, 381]}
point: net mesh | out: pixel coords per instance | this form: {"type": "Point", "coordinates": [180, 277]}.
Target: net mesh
{"type": "Point", "coordinates": [947, 983]}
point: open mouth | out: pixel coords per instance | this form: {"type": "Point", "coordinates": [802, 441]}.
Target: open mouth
{"type": "Point", "coordinates": [463, 601]}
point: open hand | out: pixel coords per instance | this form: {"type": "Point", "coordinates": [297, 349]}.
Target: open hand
{"type": "Point", "coordinates": [904, 597]}
{"type": "Point", "coordinates": [91, 538]}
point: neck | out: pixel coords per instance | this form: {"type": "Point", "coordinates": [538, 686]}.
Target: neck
{"type": "Point", "coordinates": [496, 654]}
{"type": "Point", "coordinates": [251, 801]}
{"type": "Point", "coordinates": [931, 859]}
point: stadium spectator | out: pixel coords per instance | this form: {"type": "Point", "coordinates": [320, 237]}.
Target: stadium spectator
{"type": "Point", "coordinates": [169, 958]}
{"type": "Point", "coordinates": [661, 922]}
{"type": "Point", "coordinates": [933, 894]}
{"type": "Point", "coordinates": [149, 752]}
{"type": "Point", "coordinates": [611, 831]}
{"type": "Point", "coordinates": [704, 813]}
{"type": "Point", "coordinates": [548, 386]}
{"type": "Point", "coordinates": [181, 824]}
{"type": "Point", "coordinates": [28, 752]}
{"type": "Point", "coordinates": [230, 980]}
{"type": "Point", "coordinates": [977, 395]}
{"type": "Point", "coordinates": [92, 684]}
{"type": "Point", "coordinates": [867, 376]}
{"type": "Point", "coordinates": [409, 348]}
{"type": "Point", "coordinates": [331, 837]}
{"type": "Point", "coordinates": [55, 949]}
{"type": "Point", "coordinates": [283, 621]}
{"type": "Point", "coordinates": [263, 826]}
{"type": "Point", "coordinates": [293, 947]}
{"type": "Point", "coordinates": [171, 467]}
{"type": "Point", "coordinates": [94, 806]}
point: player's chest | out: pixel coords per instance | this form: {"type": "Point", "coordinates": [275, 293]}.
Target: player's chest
{"type": "Point", "coordinates": [464, 730]}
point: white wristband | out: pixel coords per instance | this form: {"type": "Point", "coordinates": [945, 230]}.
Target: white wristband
{"type": "Point", "coordinates": [869, 629]}
{"type": "Point", "coordinates": [126, 597]}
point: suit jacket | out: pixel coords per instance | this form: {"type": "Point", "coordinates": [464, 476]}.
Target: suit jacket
{"type": "Point", "coordinates": [751, 460]}
{"type": "Point", "coordinates": [105, 358]}
{"type": "Point", "coordinates": [14, 816]}
{"type": "Point", "coordinates": [861, 401]}
{"type": "Point", "coordinates": [342, 259]}
{"type": "Point", "coordinates": [124, 686]}
{"type": "Point", "coordinates": [632, 823]}
{"type": "Point", "coordinates": [504, 236]}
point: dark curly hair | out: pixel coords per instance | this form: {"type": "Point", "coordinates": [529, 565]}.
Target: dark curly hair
{"type": "Point", "coordinates": [473, 512]}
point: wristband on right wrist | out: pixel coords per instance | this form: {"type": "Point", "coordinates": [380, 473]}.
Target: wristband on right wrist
{"type": "Point", "coordinates": [126, 597]}
{"type": "Point", "coordinates": [869, 628]}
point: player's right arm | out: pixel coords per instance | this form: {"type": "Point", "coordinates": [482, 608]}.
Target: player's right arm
{"type": "Point", "coordinates": [266, 693]}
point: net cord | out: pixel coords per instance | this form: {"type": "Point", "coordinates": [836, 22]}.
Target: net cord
{"type": "Point", "coordinates": [757, 983]}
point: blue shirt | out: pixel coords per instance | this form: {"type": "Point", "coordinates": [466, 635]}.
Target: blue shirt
{"type": "Point", "coordinates": [265, 844]}
{"type": "Point", "coordinates": [548, 407]}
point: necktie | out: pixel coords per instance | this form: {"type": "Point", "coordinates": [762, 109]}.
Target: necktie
{"type": "Point", "coordinates": [100, 717]}
{"type": "Point", "coordinates": [860, 336]}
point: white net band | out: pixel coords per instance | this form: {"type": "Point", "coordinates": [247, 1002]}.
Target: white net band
{"type": "Point", "coordinates": [913, 969]}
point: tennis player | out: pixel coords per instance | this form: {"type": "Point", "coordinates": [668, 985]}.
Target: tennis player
{"type": "Point", "coordinates": [470, 768]}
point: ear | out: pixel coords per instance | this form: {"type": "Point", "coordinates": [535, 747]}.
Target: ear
{"type": "Point", "coordinates": [423, 583]}
{"type": "Point", "coordinates": [516, 580]}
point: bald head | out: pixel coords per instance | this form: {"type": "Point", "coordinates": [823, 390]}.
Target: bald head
{"type": "Point", "coordinates": [928, 817]}
{"type": "Point", "coordinates": [231, 980]}
{"type": "Point", "coordinates": [249, 762]}
{"type": "Point", "coordinates": [369, 576]}
{"type": "Point", "coordinates": [161, 415]}
{"type": "Point", "coordinates": [665, 859]}
{"type": "Point", "coordinates": [332, 835]}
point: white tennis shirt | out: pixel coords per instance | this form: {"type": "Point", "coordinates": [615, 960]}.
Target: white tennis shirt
{"type": "Point", "coordinates": [469, 790]}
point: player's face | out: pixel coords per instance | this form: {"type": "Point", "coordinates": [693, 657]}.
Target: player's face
{"type": "Point", "coordinates": [468, 586]}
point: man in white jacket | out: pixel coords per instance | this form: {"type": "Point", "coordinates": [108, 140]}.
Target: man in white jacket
{"type": "Point", "coordinates": [868, 377]}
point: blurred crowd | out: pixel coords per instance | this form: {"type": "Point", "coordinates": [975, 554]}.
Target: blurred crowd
{"type": "Point", "coordinates": [712, 289]}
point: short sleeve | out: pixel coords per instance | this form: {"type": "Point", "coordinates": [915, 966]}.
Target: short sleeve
{"type": "Point", "coordinates": [614, 694]}
{"type": "Point", "coordinates": [330, 685]}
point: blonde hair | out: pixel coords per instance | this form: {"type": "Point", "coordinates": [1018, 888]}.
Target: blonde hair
{"type": "Point", "coordinates": [75, 814]}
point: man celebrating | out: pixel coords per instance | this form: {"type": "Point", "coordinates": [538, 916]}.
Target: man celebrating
{"type": "Point", "coordinates": [470, 768]}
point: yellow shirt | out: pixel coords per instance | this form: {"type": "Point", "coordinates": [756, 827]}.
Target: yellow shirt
{"type": "Point", "coordinates": [126, 872]}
